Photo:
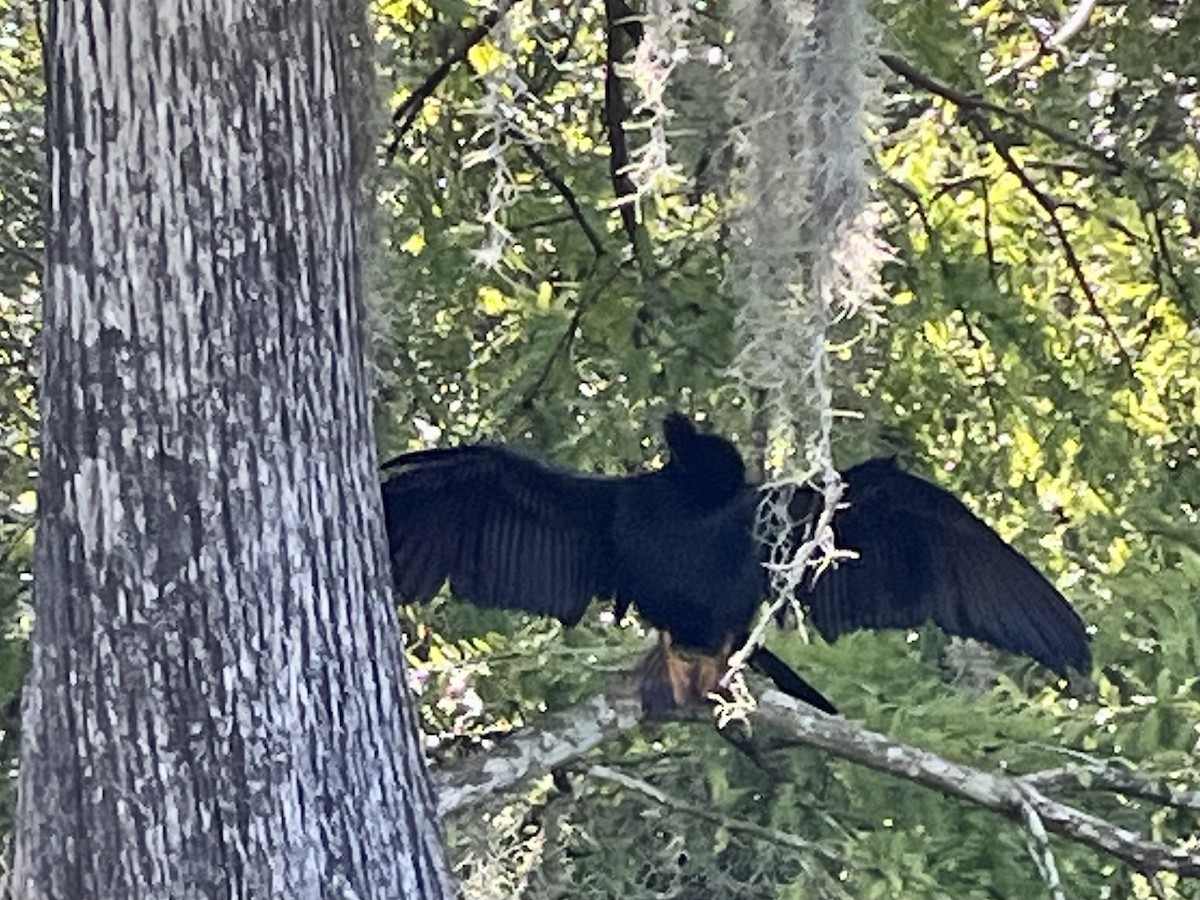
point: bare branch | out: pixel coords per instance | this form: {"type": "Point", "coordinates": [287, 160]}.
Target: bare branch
{"type": "Point", "coordinates": [565, 736]}
{"type": "Point", "coordinates": [1002, 793]}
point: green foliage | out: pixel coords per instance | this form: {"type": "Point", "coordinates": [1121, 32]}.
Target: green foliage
{"type": "Point", "coordinates": [20, 280]}
{"type": "Point", "coordinates": [1041, 358]}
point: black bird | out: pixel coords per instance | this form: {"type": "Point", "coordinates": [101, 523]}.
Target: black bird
{"type": "Point", "coordinates": [677, 544]}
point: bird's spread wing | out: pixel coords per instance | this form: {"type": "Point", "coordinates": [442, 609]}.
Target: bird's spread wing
{"type": "Point", "coordinates": [923, 556]}
{"type": "Point", "coordinates": [505, 529]}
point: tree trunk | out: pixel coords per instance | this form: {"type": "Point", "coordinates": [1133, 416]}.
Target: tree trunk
{"type": "Point", "coordinates": [217, 705]}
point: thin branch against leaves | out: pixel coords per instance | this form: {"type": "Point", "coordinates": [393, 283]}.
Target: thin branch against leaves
{"type": "Point", "coordinates": [567, 736]}
{"type": "Point", "coordinates": [406, 113]}
{"type": "Point", "coordinates": [556, 180]}
{"type": "Point", "coordinates": [1050, 207]}
{"type": "Point", "coordinates": [31, 259]}
{"type": "Point", "coordinates": [563, 347]}
{"type": "Point", "coordinates": [1108, 161]}
{"type": "Point", "coordinates": [805, 848]}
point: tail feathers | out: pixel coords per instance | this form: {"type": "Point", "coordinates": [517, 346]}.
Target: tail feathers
{"type": "Point", "coordinates": [788, 681]}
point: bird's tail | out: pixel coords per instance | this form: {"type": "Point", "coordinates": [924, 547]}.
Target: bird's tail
{"type": "Point", "coordinates": [788, 681]}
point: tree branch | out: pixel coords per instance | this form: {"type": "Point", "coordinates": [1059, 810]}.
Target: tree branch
{"type": "Point", "coordinates": [917, 78]}
{"type": "Point", "coordinates": [615, 110]}
{"type": "Point", "coordinates": [567, 338]}
{"type": "Point", "coordinates": [534, 751]}
{"type": "Point", "coordinates": [1100, 776]}
{"type": "Point", "coordinates": [564, 737]}
{"type": "Point", "coordinates": [556, 180]}
{"type": "Point", "coordinates": [1007, 795]}
{"type": "Point", "coordinates": [1050, 206]}
{"type": "Point", "coordinates": [1074, 23]}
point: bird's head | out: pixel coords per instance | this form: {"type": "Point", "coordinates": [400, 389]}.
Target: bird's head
{"type": "Point", "coordinates": [711, 464]}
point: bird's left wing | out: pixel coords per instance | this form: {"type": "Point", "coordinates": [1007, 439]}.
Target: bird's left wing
{"type": "Point", "coordinates": [506, 530]}
{"type": "Point", "coordinates": [923, 556]}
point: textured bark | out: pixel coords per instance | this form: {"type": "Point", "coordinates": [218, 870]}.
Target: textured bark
{"type": "Point", "coordinates": [216, 706]}
{"type": "Point", "coordinates": [557, 739]}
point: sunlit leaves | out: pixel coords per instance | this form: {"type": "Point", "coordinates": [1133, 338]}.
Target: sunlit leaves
{"type": "Point", "coordinates": [1041, 358]}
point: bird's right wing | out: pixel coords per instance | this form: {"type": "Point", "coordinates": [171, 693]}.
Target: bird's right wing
{"type": "Point", "coordinates": [506, 530]}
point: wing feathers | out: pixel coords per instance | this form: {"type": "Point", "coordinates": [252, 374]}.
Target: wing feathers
{"type": "Point", "coordinates": [923, 556]}
{"type": "Point", "coordinates": [505, 530]}
{"type": "Point", "coordinates": [508, 531]}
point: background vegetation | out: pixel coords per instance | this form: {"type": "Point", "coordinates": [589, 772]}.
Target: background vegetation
{"type": "Point", "coordinates": [1039, 354]}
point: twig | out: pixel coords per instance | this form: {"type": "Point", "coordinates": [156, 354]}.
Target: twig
{"type": "Point", "coordinates": [542, 223]}
{"type": "Point", "coordinates": [1183, 294]}
{"type": "Point", "coordinates": [774, 835]}
{"type": "Point", "coordinates": [33, 261]}
{"type": "Point", "coordinates": [406, 113]}
{"type": "Point", "coordinates": [989, 242]}
{"type": "Point", "coordinates": [978, 344]}
{"type": "Point", "coordinates": [964, 100]}
{"type": "Point", "coordinates": [567, 338]}
{"type": "Point", "coordinates": [568, 195]}
{"type": "Point", "coordinates": [1050, 207]}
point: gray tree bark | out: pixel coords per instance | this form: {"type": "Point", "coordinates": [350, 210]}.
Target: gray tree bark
{"type": "Point", "coordinates": [217, 705]}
